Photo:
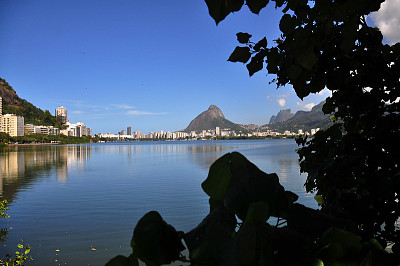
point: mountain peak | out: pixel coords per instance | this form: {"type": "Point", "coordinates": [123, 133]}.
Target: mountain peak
{"type": "Point", "coordinates": [210, 119]}
{"type": "Point", "coordinates": [213, 111]}
{"type": "Point", "coordinates": [282, 116]}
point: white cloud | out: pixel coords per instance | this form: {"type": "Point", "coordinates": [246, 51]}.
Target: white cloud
{"type": "Point", "coordinates": [281, 102]}
{"type": "Point", "coordinates": [283, 95]}
{"type": "Point", "coordinates": [387, 19]}
{"type": "Point", "coordinates": [135, 112]}
{"type": "Point", "coordinates": [123, 106]}
{"type": "Point", "coordinates": [77, 112]}
{"type": "Point", "coordinates": [325, 92]}
{"type": "Point", "coordinates": [306, 106]}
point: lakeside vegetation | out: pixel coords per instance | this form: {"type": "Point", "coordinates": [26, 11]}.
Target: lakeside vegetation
{"type": "Point", "coordinates": [6, 139]}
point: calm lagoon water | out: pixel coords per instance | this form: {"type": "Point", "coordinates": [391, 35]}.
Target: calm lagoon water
{"type": "Point", "coordinates": [78, 204]}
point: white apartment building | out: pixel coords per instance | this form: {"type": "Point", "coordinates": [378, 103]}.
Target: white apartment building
{"type": "Point", "coordinates": [47, 130]}
{"type": "Point", "coordinates": [78, 129]}
{"type": "Point", "coordinates": [1, 110]}
{"type": "Point", "coordinates": [61, 114]}
{"type": "Point", "coordinates": [12, 124]}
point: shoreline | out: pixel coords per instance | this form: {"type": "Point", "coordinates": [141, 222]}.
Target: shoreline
{"type": "Point", "coordinates": [32, 144]}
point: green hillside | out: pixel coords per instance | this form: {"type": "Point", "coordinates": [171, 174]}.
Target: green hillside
{"type": "Point", "coordinates": [13, 104]}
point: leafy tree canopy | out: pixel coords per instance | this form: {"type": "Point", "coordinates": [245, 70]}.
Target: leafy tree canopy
{"type": "Point", "coordinates": [354, 165]}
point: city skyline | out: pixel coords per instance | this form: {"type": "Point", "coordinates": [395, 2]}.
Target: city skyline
{"type": "Point", "coordinates": [154, 66]}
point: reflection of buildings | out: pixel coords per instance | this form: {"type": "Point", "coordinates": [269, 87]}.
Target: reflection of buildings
{"type": "Point", "coordinates": [23, 165]}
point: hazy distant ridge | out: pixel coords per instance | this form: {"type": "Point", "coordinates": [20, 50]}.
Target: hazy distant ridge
{"type": "Point", "coordinates": [305, 120]}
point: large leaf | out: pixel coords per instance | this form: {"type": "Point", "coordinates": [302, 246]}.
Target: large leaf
{"type": "Point", "coordinates": [258, 213]}
{"type": "Point", "coordinates": [204, 242]}
{"type": "Point", "coordinates": [237, 182]}
{"type": "Point", "coordinates": [243, 37]}
{"type": "Point", "coordinates": [340, 243]}
{"type": "Point", "coordinates": [219, 9]}
{"type": "Point", "coordinates": [240, 54]}
{"type": "Point", "coordinates": [256, 5]}
{"type": "Point", "coordinates": [219, 177]}
{"type": "Point", "coordinates": [154, 241]}
{"type": "Point", "coordinates": [312, 222]}
{"type": "Point", "coordinates": [256, 63]}
{"type": "Point", "coordinates": [261, 44]}
{"type": "Point", "coordinates": [255, 243]}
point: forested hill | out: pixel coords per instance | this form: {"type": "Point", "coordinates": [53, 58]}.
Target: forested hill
{"type": "Point", "coordinates": [13, 104]}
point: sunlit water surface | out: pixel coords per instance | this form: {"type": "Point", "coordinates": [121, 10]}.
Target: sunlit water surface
{"type": "Point", "coordinates": [78, 204]}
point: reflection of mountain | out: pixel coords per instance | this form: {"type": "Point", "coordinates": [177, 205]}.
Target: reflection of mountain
{"type": "Point", "coordinates": [21, 166]}
{"type": "Point", "coordinates": [206, 155]}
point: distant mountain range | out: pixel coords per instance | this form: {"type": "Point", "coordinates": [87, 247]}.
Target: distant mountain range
{"type": "Point", "coordinates": [284, 120]}
{"type": "Point", "coordinates": [305, 120]}
{"type": "Point", "coordinates": [210, 119]}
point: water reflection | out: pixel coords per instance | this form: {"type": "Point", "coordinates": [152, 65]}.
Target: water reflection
{"type": "Point", "coordinates": [73, 197]}
{"type": "Point", "coordinates": [21, 165]}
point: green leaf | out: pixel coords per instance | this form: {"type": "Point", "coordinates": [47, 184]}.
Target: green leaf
{"type": "Point", "coordinates": [237, 182]}
{"type": "Point", "coordinates": [247, 244]}
{"type": "Point", "coordinates": [317, 262]}
{"type": "Point", "coordinates": [375, 243]}
{"type": "Point", "coordinates": [154, 241]}
{"type": "Point", "coordinates": [261, 44]}
{"type": "Point", "coordinates": [240, 54]}
{"type": "Point", "coordinates": [294, 72]}
{"type": "Point", "coordinates": [286, 24]}
{"type": "Point", "coordinates": [27, 250]}
{"type": "Point", "coordinates": [307, 59]}
{"type": "Point", "coordinates": [219, 9]}
{"type": "Point", "coordinates": [319, 199]}
{"type": "Point", "coordinates": [243, 37]}
{"type": "Point", "coordinates": [256, 63]}
{"type": "Point", "coordinates": [341, 243]}
{"type": "Point", "coordinates": [258, 213]}
{"type": "Point", "coordinates": [207, 238]}
{"type": "Point", "coordinates": [20, 246]}
{"type": "Point", "coordinates": [218, 178]}
{"type": "Point", "coordinates": [256, 5]}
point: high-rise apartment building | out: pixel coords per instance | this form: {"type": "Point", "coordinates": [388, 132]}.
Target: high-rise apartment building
{"type": "Point", "coordinates": [1, 110]}
{"type": "Point", "coordinates": [12, 124]}
{"type": "Point", "coordinates": [129, 131]}
{"type": "Point", "coordinates": [61, 114]}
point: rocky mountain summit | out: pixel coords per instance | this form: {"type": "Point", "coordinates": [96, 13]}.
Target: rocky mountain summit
{"type": "Point", "coordinates": [210, 119]}
{"type": "Point", "coordinates": [282, 116]}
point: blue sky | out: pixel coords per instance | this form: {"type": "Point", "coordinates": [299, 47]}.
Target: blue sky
{"type": "Point", "coordinates": [151, 65]}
